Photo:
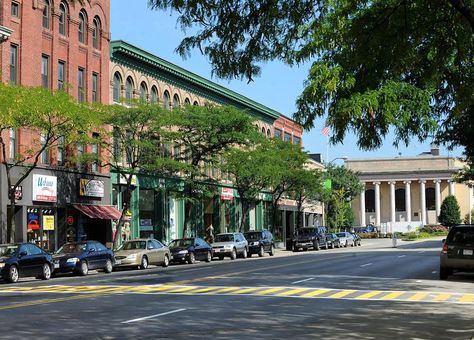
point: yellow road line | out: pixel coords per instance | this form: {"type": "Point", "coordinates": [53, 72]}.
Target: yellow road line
{"type": "Point", "coordinates": [391, 296]}
{"type": "Point", "coordinates": [467, 298]}
{"type": "Point", "coordinates": [182, 289]}
{"type": "Point", "coordinates": [341, 294]}
{"type": "Point", "coordinates": [202, 290]}
{"type": "Point", "coordinates": [316, 292]}
{"type": "Point", "coordinates": [269, 291]}
{"type": "Point", "coordinates": [368, 295]}
{"type": "Point", "coordinates": [442, 297]}
{"type": "Point", "coordinates": [417, 297]}
{"type": "Point", "coordinates": [225, 290]}
{"type": "Point", "coordinates": [246, 290]}
{"type": "Point", "coordinates": [48, 301]}
{"type": "Point", "coordinates": [293, 291]}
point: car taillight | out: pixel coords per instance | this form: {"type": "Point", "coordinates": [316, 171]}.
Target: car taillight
{"type": "Point", "coordinates": [445, 248]}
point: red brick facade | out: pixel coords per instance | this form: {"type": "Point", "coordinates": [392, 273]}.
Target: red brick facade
{"type": "Point", "coordinates": [290, 130]}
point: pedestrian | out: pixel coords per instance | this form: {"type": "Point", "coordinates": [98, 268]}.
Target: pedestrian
{"type": "Point", "coordinates": [394, 240]}
{"type": "Point", "coordinates": [210, 234]}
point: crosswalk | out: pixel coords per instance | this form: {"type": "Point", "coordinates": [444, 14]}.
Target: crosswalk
{"type": "Point", "coordinates": [289, 292]}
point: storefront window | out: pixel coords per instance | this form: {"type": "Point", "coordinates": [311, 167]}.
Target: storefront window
{"type": "Point", "coordinates": [41, 228]}
{"type": "Point", "coordinates": [147, 212]}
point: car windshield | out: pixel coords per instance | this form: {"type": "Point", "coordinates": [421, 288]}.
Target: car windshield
{"type": "Point", "coordinates": [253, 236]}
{"type": "Point", "coordinates": [186, 242]}
{"type": "Point", "coordinates": [72, 248]}
{"type": "Point", "coordinates": [224, 238]}
{"type": "Point", "coordinates": [131, 245]}
{"type": "Point", "coordinates": [341, 234]}
{"type": "Point", "coordinates": [461, 237]}
{"type": "Point", "coordinates": [305, 231]}
{"type": "Point", "coordinates": [8, 250]}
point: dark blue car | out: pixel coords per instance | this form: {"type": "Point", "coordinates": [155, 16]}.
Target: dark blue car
{"type": "Point", "coordinates": [23, 260]}
{"type": "Point", "coordinates": [190, 249]}
{"type": "Point", "coordinates": [80, 257]}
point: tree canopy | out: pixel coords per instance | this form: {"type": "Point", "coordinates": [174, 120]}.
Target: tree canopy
{"type": "Point", "coordinates": [376, 66]}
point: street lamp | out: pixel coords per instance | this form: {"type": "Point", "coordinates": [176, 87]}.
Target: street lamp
{"type": "Point", "coordinates": [344, 158]}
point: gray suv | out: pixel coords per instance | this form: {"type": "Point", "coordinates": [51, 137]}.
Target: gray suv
{"type": "Point", "coordinates": [230, 244]}
{"type": "Point", "coordinates": [458, 251]}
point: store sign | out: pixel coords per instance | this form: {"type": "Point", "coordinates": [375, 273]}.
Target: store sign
{"type": "Point", "coordinates": [32, 218]}
{"type": "Point", "coordinates": [44, 188]}
{"type": "Point", "coordinates": [146, 224]}
{"type": "Point", "coordinates": [227, 194]}
{"type": "Point", "coordinates": [48, 222]}
{"type": "Point", "coordinates": [123, 179]}
{"type": "Point", "coordinates": [18, 192]}
{"type": "Point", "coordinates": [91, 188]}
{"type": "Point", "coordinates": [70, 220]}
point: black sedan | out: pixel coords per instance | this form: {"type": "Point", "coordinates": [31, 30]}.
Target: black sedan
{"type": "Point", "coordinates": [23, 260]}
{"type": "Point", "coordinates": [80, 257]}
{"type": "Point", "coordinates": [333, 241]}
{"type": "Point", "coordinates": [190, 249]}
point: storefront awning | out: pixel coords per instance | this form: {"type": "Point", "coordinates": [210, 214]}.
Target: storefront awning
{"type": "Point", "coordinates": [104, 212]}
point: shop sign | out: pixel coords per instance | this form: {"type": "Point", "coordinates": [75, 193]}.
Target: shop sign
{"type": "Point", "coordinates": [44, 188]}
{"type": "Point", "coordinates": [91, 188]}
{"type": "Point", "coordinates": [48, 222]}
{"type": "Point", "coordinates": [146, 224]}
{"type": "Point", "coordinates": [70, 220]}
{"type": "Point", "coordinates": [18, 192]}
{"type": "Point", "coordinates": [227, 194]}
{"type": "Point", "coordinates": [32, 218]}
{"type": "Point", "coordinates": [123, 179]}
{"type": "Point", "coordinates": [264, 196]}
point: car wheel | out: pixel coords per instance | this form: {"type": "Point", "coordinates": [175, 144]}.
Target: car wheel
{"type": "Point", "coordinates": [316, 245]}
{"type": "Point", "coordinates": [261, 251]}
{"type": "Point", "coordinates": [209, 257]}
{"type": "Point", "coordinates": [295, 249]}
{"type": "Point", "coordinates": [249, 255]}
{"type": "Point", "coordinates": [166, 261]}
{"type": "Point", "coordinates": [83, 268]}
{"type": "Point", "coordinates": [443, 273]}
{"type": "Point", "coordinates": [192, 258]}
{"type": "Point", "coordinates": [13, 274]}
{"type": "Point", "coordinates": [46, 272]}
{"type": "Point", "coordinates": [244, 253]}
{"type": "Point", "coordinates": [331, 246]}
{"type": "Point", "coordinates": [144, 263]}
{"type": "Point", "coordinates": [108, 266]}
{"type": "Point", "coordinates": [233, 254]}
{"type": "Point", "coordinates": [272, 250]}
{"type": "Point", "coordinates": [345, 245]}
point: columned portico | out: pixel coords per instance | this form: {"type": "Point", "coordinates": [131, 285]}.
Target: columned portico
{"type": "Point", "coordinates": [437, 197]}
{"type": "Point", "coordinates": [452, 191]}
{"type": "Point", "coordinates": [377, 203]}
{"type": "Point", "coordinates": [392, 201]}
{"type": "Point", "coordinates": [422, 202]}
{"type": "Point", "coordinates": [408, 200]}
{"type": "Point", "coordinates": [362, 206]}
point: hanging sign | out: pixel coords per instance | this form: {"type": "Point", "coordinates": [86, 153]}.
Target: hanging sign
{"type": "Point", "coordinates": [91, 188]}
{"type": "Point", "coordinates": [227, 194]}
{"type": "Point", "coordinates": [44, 188]}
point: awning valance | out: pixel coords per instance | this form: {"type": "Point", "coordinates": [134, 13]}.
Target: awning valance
{"type": "Point", "coordinates": [104, 212]}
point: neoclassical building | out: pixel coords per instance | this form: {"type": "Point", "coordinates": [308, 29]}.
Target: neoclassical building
{"type": "Point", "coordinates": [406, 192]}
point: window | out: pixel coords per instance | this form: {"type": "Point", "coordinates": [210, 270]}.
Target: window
{"type": "Point", "coordinates": [187, 101]}
{"type": "Point", "coordinates": [264, 131]}
{"type": "Point", "coordinates": [45, 71]}
{"type": "Point", "coordinates": [82, 27]}
{"type": "Point", "coordinates": [277, 134]}
{"type": "Point", "coordinates": [61, 151]}
{"type": "Point", "coordinates": [62, 19]}
{"type": "Point", "coordinates": [12, 143]}
{"type": "Point", "coordinates": [166, 100]}
{"type": "Point", "coordinates": [116, 145]}
{"type": "Point", "coordinates": [15, 9]}
{"type": "Point", "coordinates": [95, 153]}
{"type": "Point", "coordinates": [176, 102]}
{"type": "Point", "coordinates": [129, 90]}
{"type": "Point", "coordinates": [287, 137]}
{"type": "Point", "coordinates": [45, 153]}
{"type": "Point", "coordinates": [154, 95]}
{"type": "Point", "coordinates": [296, 140]}
{"type": "Point", "coordinates": [117, 87]}
{"type": "Point", "coordinates": [430, 199]}
{"type": "Point", "coordinates": [80, 153]}
{"type": "Point", "coordinates": [61, 74]}
{"type": "Point", "coordinates": [80, 85]}
{"type": "Point", "coordinates": [96, 33]}
{"type": "Point", "coordinates": [269, 134]}
{"type": "Point", "coordinates": [13, 63]}
{"type": "Point", "coordinates": [33, 250]}
{"type": "Point", "coordinates": [370, 200]}
{"type": "Point", "coordinates": [196, 103]}
{"type": "Point", "coordinates": [143, 92]}
{"type": "Point", "coordinates": [95, 87]}
{"type": "Point", "coordinates": [46, 13]}
{"type": "Point", "coordinates": [400, 200]}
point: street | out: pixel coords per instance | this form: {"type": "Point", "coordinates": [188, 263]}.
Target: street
{"type": "Point", "coordinates": [368, 292]}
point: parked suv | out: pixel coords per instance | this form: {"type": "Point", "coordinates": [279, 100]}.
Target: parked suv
{"type": "Point", "coordinates": [230, 244]}
{"type": "Point", "coordinates": [458, 251]}
{"type": "Point", "coordinates": [260, 242]}
{"type": "Point", "coordinates": [309, 237]}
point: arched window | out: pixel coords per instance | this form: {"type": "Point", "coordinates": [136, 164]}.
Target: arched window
{"type": "Point", "coordinates": [430, 199]}
{"type": "Point", "coordinates": [82, 27]}
{"type": "Point", "coordinates": [370, 200]}
{"type": "Point", "coordinates": [129, 90]}
{"type": "Point", "coordinates": [62, 18]}
{"type": "Point", "coordinates": [143, 92]}
{"type": "Point", "coordinates": [196, 103]}
{"type": "Point", "coordinates": [269, 134]}
{"type": "Point", "coordinates": [46, 14]}
{"type": "Point", "coordinates": [400, 204]}
{"type": "Point", "coordinates": [166, 100]}
{"type": "Point", "coordinates": [117, 87]}
{"type": "Point", "coordinates": [264, 131]}
{"type": "Point", "coordinates": [176, 101]}
{"type": "Point", "coordinates": [154, 95]}
{"type": "Point", "coordinates": [96, 33]}
{"type": "Point", "coordinates": [187, 101]}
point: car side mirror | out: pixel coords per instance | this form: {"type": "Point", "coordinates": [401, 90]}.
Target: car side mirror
{"type": "Point", "coordinates": [150, 248]}
{"type": "Point", "coordinates": [444, 240]}
{"type": "Point", "coordinates": [91, 250]}
{"type": "Point", "coordinates": [23, 253]}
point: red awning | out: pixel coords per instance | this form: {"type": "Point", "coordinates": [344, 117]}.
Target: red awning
{"type": "Point", "coordinates": [104, 212]}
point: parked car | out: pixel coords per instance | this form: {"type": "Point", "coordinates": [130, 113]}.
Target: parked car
{"type": "Point", "coordinates": [260, 242]}
{"type": "Point", "coordinates": [345, 238]}
{"type": "Point", "coordinates": [80, 257]}
{"type": "Point", "coordinates": [369, 228]}
{"type": "Point", "coordinates": [230, 244]}
{"type": "Point", "coordinates": [357, 239]}
{"type": "Point", "coordinates": [23, 260]}
{"type": "Point", "coordinates": [190, 249]}
{"type": "Point", "coordinates": [309, 237]}
{"type": "Point", "coordinates": [458, 251]}
{"type": "Point", "coordinates": [141, 253]}
{"type": "Point", "coordinates": [333, 241]}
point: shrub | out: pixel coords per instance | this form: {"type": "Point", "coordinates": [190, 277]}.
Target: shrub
{"type": "Point", "coordinates": [450, 214]}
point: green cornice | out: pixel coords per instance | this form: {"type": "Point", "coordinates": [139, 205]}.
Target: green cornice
{"type": "Point", "coordinates": [133, 57]}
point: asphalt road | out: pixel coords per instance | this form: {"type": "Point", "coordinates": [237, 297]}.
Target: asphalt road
{"type": "Point", "coordinates": [369, 292]}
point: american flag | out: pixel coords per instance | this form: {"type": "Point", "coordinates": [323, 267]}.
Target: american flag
{"type": "Point", "coordinates": [326, 131]}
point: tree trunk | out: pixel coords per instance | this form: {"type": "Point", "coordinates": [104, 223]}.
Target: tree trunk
{"type": "Point", "coordinates": [245, 209]}
{"type": "Point", "coordinates": [187, 218]}
{"type": "Point", "coordinates": [11, 219]}
{"type": "Point", "coordinates": [125, 207]}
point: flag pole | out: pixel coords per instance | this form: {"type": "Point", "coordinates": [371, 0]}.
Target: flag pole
{"type": "Point", "coordinates": [327, 150]}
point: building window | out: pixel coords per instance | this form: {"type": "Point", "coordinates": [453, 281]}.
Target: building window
{"type": "Point", "coordinates": [187, 101]}
{"type": "Point", "coordinates": [278, 133]}
{"type": "Point", "coordinates": [61, 74]}
{"type": "Point", "coordinates": [116, 145]}
{"type": "Point", "coordinates": [117, 87]}
{"type": "Point", "coordinates": [143, 92]}
{"type": "Point", "coordinates": [176, 101]}
{"type": "Point", "coordinates": [430, 199]}
{"type": "Point", "coordinates": [45, 71]}
{"type": "Point", "coordinates": [264, 131]}
{"type": "Point", "coordinates": [370, 200]}
{"type": "Point", "coordinates": [62, 19]}
{"type": "Point", "coordinates": [269, 134]}
{"type": "Point", "coordinates": [13, 64]}
{"type": "Point", "coordinates": [287, 137]}
{"type": "Point", "coordinates": [95, 153]}
{"type": "Point", "coordinates": [95, 87]}
{"type": "Point", "coordinates": [166, 100]}
{"type": "Point", "coordinates": [12, 144]}
{"type": "Point", "coordinates": [296, 140]}
{"type": "Point", "coordinates": [80, 153]}
{"type": "Point", "coordinates": [154, 95]}
{"type": "Point", "coordinates": [129, 90]}
{"type": "Point", "coordinates": [196, 103]}
{"type": "Point", "coordinates": [80, 86]}
{"type": "Point", "coordinates": [15, 9]}
{"type": "Point", "coordinates": [82, 27]}
{"type": "Point", "coordinates": [46, 13]}
{"type": "Point", "coordinates": [400, 204]}
{"type": "Point", "coordinates": [61, 151]}
{"type": "Point", "coordinates": [96, 33]}
{"type": "Point", "coordinates": [45, 153]}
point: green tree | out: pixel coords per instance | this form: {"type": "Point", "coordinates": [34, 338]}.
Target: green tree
{"type": "Point", "coordinates": [375, 66]}
{"type": "Point", "coordinates": [449, 214]}
{"type": "Point", "coordinates": [466, 218]}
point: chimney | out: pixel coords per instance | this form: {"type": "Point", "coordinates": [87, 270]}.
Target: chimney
{"type": "Point", "coordinates": [434, 149]}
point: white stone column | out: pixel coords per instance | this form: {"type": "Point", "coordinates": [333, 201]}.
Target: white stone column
{"type": "Point", "coordinates": [422, 202]}
{"type": "Point", "coordinates": [452, 190]}
{"type": "Point", "coordinates": [377, 204]}
{"type": "Point", "coordinates": [408, 200]}
{"type": "Point", "coordinates": [362, 207]}
{"type": "Point", "coordinates": [470, 202]}
{"type": "Point", "coordinates": [392, 202]}
{"type": "Point", "coordinates": [437, 197]}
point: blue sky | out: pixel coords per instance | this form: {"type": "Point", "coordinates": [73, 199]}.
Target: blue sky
{"type": "Point", "coordinates": [277, 87]}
